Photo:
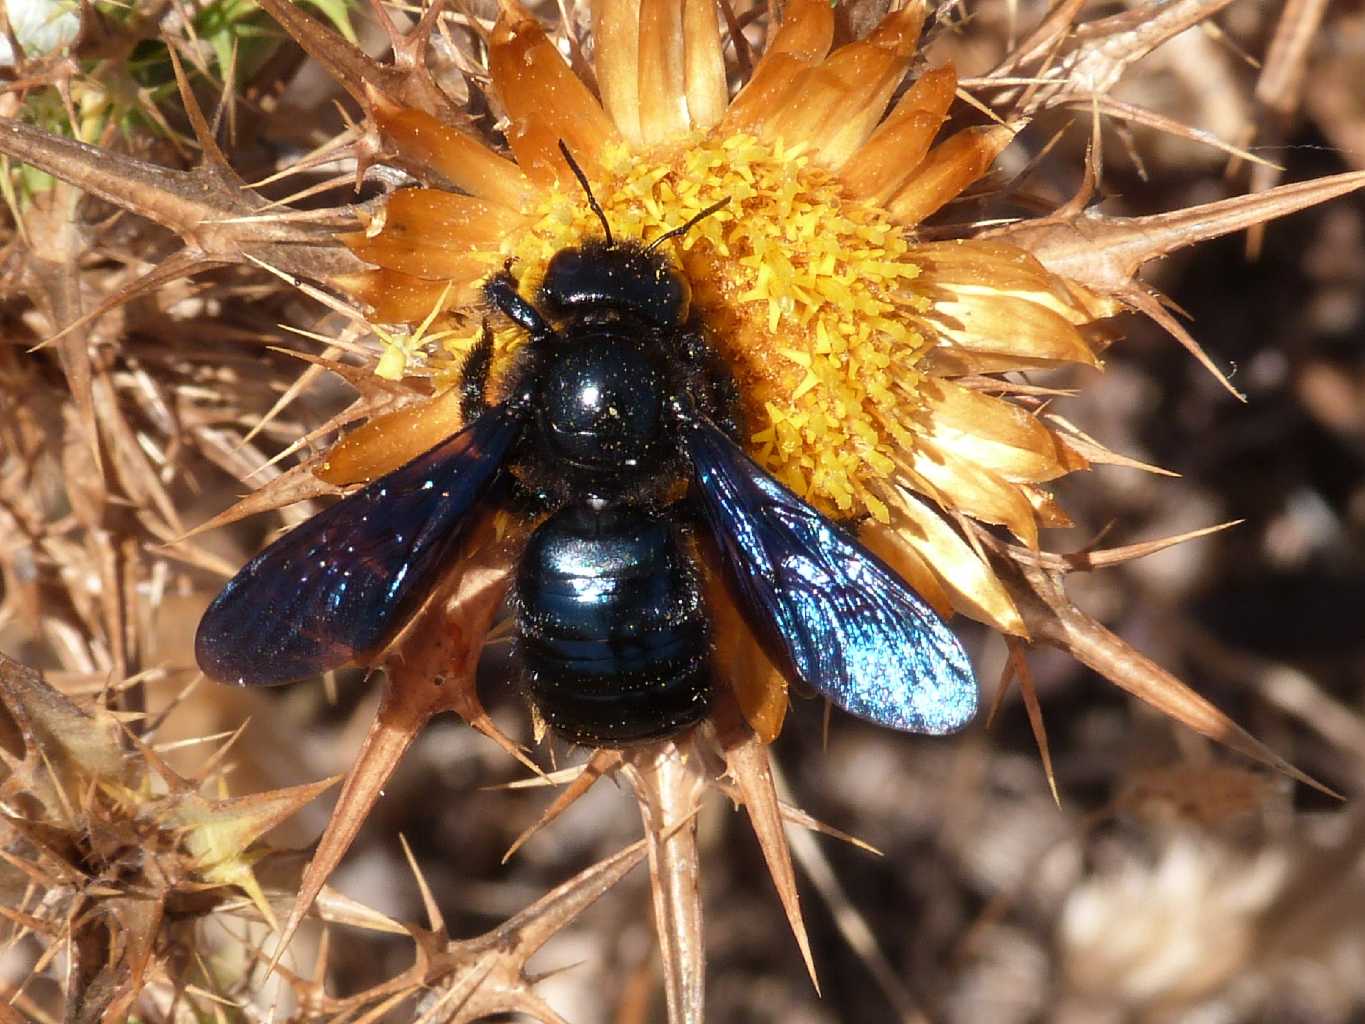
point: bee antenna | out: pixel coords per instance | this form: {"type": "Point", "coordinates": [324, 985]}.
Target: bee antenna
{"type": "Point", "coordinates": [675, 232]}
{"type": "Point", "coordinates": [583, 180]}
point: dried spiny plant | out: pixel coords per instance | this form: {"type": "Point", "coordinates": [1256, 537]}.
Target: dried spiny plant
{"type": "Point", "coordinates": [887, 366]}
{"type": "Point", "coordinates": [116, 862]}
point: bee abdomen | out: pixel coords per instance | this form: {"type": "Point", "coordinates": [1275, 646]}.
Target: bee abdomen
{"type": "Point", "coordinates": [614, 637]}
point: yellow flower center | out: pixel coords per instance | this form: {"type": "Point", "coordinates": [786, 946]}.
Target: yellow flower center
{"type": "Point", "coordinates": [807, 293]}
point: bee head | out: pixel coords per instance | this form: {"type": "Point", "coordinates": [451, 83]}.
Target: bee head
{"type": "Point", "coordinates": [606, 278]}
{"type": "Point", "coordinates": [603, 278]}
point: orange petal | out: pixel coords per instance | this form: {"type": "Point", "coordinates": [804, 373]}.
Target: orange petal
{"type": "Point", "coordinates": [973, 489]}
{"type": "Point", "coordinates": [805, 36]}
{"type": "Point", "coordinates": [993, 433]}
{"type": "Point", "coordinates": [949, 168]}
{"type": "Point", "coordinates": [883, 542]}
{"type": "Point", "coordinates": [877, 171]}
{"type": "Point", "coordinates": [536, 146]}
{"type": "Point", "coordinates": [803, 107]}
{"type": "Point", "coordinates": [864, 102]}
{"type": "Point", "coordinates": [899, 31]}
{"type": "Point", "coordinates": [534, 82]}
{"type": "Point", "coordinates": [1020, 331]}
{"type": "Point", "coordinates": [977, 267]}
{"type": "Point", "coordinates": [772, 82]}
{"type": "Point", "coordinates": [395, 252]}
{"type": "Point", "coordinates": [759, 686]}
{"type": "Point", "coordinates": [663, 103]}
{"type": "Point", "coordinates": [437, 235]}
{"type": "Point", "coordinates": [681, 71]}
{"type": "Point", "coordinates": [975, 589]}
{"type": "Point", "coordinates": [399, 298]}
{"type": "Point", "coordinates": [898, 145]}
{"type": "Point", "coordinates": [453, 221]}
{"type": "Point", "coordinates": [388, 441]}
{"type": "Point", "coordinates": [616, 59]}
{"type": "Point", "coordinates": [704, 70]}
{"type": "Point", "coordinates": [822, 105]}
{"type": "Point", "coordinates": [807, 31]}
{"type": "Point", "coordinates": [462, 160]}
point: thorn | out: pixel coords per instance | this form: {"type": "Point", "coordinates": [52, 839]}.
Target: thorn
{"type": "Point", "coordinates": [1146, 301]}
{"type": "Point", "coordinates": [435, 922]}
{"type": "Point", "coordinates": [601, 762]}
{"type": "Point", "coordinates": [1092, 451]}
{"type": "Point", "coordinates": [1086, 560]}
{"type": "Point", "coordinates": [1029, 693]}
{"type": "Point", "coordinates": [850, 923]}
{"type": "Point", "coordinates": [668, 784]}
{"type": "Point", "coordinates": [555, 778]}
{"type": "Point", "coordinates": [1053, 619]}
{"type": "Point", "coordinates": [294, 485]}
{"type": "Point", "coordinates": [452, 626]}
{"type": "Point", "coordinates": [748, 763]}
{"type": "Point", "coordinates": [217, 757]}
{"type": "Point", "coordinates": [214, 157]}
{"type": "Point", "coordinates": [1007, 674]}
{"type": "Point", "coordinates": [296, 388]}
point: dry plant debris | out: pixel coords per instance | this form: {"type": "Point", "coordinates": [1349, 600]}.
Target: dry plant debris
{"type": "Point", "coordinates": [217, 260]}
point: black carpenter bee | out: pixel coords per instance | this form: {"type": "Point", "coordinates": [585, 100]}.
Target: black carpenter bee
{"type": "Point", "coordinates": [621, 420]}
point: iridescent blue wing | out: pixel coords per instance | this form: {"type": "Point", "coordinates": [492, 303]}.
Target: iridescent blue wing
{"type": "Point", "coordinates": [336, 588]}
{"type": "Point", "coordinates": [852, 629]}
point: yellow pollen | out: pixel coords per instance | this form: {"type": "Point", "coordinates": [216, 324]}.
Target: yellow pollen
{"type": "Point", "coordinates": [806, 292]}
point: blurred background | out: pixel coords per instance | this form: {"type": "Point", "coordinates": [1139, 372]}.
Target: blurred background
{"type": "Point", "coordinates": [1175, 881]}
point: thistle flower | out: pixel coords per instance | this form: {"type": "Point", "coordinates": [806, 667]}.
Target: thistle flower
{"type": "Point", "coordinates": [110, 854]}
{"type": "Point", "coordinates": [857, 346]}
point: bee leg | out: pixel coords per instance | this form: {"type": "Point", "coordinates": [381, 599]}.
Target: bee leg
{"type": "Point", "coordinates": [711, 384]}
{"type": "Point", "coordinates": [501, 291]}
{"type": "Point", "coordinates": [474, 377]}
